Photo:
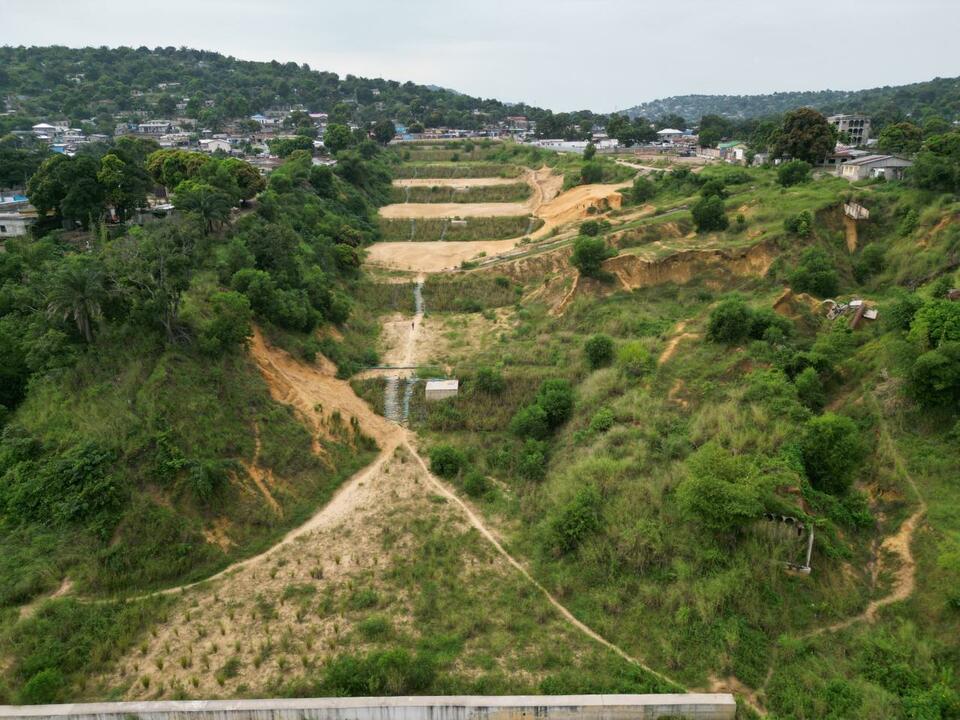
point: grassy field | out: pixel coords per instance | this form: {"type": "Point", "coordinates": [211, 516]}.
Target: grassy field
{"type": "Point", "coordinates": [515, 192]}
{"type": "Point", "coordinates": [468, 229]}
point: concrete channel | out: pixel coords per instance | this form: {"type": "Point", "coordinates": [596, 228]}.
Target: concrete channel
{"type": "Point", "coordinates": [693, 706]}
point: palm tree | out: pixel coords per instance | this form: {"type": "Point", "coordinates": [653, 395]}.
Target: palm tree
{"type": "Point", "coordinates": [77, 289]}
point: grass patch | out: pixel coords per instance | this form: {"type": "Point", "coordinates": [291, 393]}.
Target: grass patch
{"type": "Point", "coordinates": [457, 230]}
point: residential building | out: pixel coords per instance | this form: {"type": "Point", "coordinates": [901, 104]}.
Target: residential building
{"type": "Point", "coordinates": [156, 127]}
{"type": "Point", "coordinates": [669, 135]}
{"type": "Point", "coordinates": [733, 151]}
{"type": "Point", "coordinates": [214, 144]}
{"type": "Point", "coordinates": [868, 166]}
{"type": "Point", "coordinates": [856, 126]}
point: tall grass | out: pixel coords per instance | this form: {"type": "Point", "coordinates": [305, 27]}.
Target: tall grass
{"type": "Point", "coordinates": [468, 170]}
{"type": "Point", "coordinates": [515, 192]}
{"type": "Point", "coordinates": [452, 229]}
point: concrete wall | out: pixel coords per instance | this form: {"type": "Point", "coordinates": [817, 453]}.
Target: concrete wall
{"type": "Point", "coordinates": [550, 707]}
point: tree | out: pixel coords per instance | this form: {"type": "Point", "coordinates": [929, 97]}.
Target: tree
{"type": "Point", "coordinates": [210, 204]}
{"type": "Point", "coordinates": [599, 351]}
{"type": "Point", "coordinates": [589, 254]}
{"type": "Point", "coordinates": [901, 137]}
{"type": "Point", "coordinates": [815, 274]}
{"type": "Point", "coordinates": [589, 152]}
{"type": "Point", "coordinates": [831, 450]}
{"type": "Point", "coordinates": [810, 388]}
{"type": "Point", "coordinates": [793, 173]}
{"type": "Point", "coordinates": [151, 270]}
{"type": "Point", "coordinates": [77, 290]}
{"type": "Point", "coordinates": [709, 213]}
{"type": "Point", "coordinates": [246, 177]}
{"type": "Point", "coordinates": [806, 135]}
{"type": "Point", "coordinates": [68, 186]}
{"type": "Point", "coordinates": [285, 147]}
{"type": "Point", "coordinates": [384, 131]}
{"type": "Point", "coordinates": [125, 184]}
{"type": "Point", "coordinates": [720, 490]}
{"type": "Point", "coordinates": [337, 137]}
{"type": "Point", "coordinates": [935, 323]}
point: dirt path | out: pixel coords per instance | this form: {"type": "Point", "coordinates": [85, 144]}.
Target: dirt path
{"type": "Point", "coordinates": [405, 211]}
{"type": "Point", "coordinates": [898, 545]}
{"type": "Point", "coordinates": [434, 257]}
{"type": "Point", "coordinates": [671, 349]}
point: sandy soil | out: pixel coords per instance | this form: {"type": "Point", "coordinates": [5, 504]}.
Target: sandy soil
{"type": "Point", "coordinates": [456, 182]}
{"type": "Point", "coordinates": [432, 257]}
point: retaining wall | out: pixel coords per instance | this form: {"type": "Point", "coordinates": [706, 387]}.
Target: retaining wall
{"type": "Point", "coordinates": [696, 706]}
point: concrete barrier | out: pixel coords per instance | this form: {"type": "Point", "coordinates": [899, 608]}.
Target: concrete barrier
{"type": "Point", "coordinates": [719, 706]}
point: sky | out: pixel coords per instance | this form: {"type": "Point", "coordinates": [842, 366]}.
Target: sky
{"type": "Point", "coordinates": [602, 55]}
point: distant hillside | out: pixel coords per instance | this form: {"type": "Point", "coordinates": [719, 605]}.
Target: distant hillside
{"type": "Point", "coordinates": [940, 96]}
{"type": "Point", "coordinates": [100, 84]}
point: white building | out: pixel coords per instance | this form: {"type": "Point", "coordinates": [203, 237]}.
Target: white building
{"type": "Point", "coordinates": [440, 389]}
{"type": "Point", "coordinates": [214, 144]}
{"type": "Point", "coordinates": [156, 127]}
{"type": "Point", "coordinates": [669, 135]}
{"type": "Point", "coordinates": [14, 224]}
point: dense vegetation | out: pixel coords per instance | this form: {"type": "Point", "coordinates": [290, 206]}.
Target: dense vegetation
{"type": "Point", "coordinates": [938, 97]}
{"type": "Point", "coordinates": [131, 415]}
{"type": "Point", "coordinates": [90, 85]}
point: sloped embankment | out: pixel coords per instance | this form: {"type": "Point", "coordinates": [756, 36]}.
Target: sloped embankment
{"type": "Point", "coordinates": [634, 271]}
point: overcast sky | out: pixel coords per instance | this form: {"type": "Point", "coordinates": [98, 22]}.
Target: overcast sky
{"type": "Point", "coordinates": [562, 54]}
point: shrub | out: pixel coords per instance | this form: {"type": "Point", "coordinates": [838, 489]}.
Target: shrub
{"type": "Point", "coordinates": [602, 420]}
{"type": "Point", "coordinates": [375, 627]}
{"type": "Point", "coordinates": [815, 274]}
{"type": "Point", "coordinates": [900, 313]}
{"type": "Point", "coordinates": [810, 388]}
{"type": "Point", "coordinates": [720, 490]}
{"type": "Point", "coordinates": [935, 376]}
{"type": "Point", "coordinates": [392, 672]}
{"type": "Point", "coordinates": [713, 188]}
{"type": "Point", "coordinates": [227, 327]}
{"type": "Point", "coordinates": [729, 321]}
{"type": "Point", "coordinates": [831, 450]}
{"type": "Point", "coordinates": [475, 484]}
{"type": "Point", "coordinates": [447, 461]}
{"type": "Point", "coordinates": [489, 381]}
{"type": "Point", "coordinates": [634, 359]}
{"type": "Point", "coordinates": [869, 262]}
{"type": "Point", "coordinates": [590, 173]}
{"type": "Point", "coordinates": [599, 351]}
{"type": "Point", "coordinates": [936, 322]}
{"type": "Point", "coordinates": [643, 190]}
{"type": "Point", "coordinates": [575, 520]}
{"type": "Point", "coordinates": [709, 213]}
{"type": "Point", "coordinates": [532, 460]}
{"type": "Point", "coordinates": [556, 398]}
{"type": "Point", "coordinates": [793, 172]}
{"type": "Point", "coordinates": [764, 320]}
{"type": "Point", "coordinates": [530, 422]}
{"type": "Point", "coordinates": [800, 224]}
{"type": "Point", "coordinates": [590, 228]}
{"type": "Point", "coordinates": [43, 688]}
{"type": "Point", "coordinates": [589, 254]}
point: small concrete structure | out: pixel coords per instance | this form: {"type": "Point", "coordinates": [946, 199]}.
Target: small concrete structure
{"type": "Point", "coordinates": [693, 706]}
{"type": "Point", "coordinates": [440, 389]}
{"type": "Point", "coordinates": [885, 166]}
